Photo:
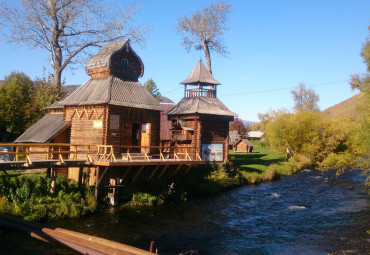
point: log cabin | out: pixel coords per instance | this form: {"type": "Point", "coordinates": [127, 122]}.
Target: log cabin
{"type": "Point", "coordinates": [243, 145]}
{"type": "Point", "coordinates": [200, 120]}
{"type": "Point", "coordinates": [112, 107]}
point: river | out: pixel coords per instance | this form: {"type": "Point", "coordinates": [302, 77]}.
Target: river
{"type": "Point", "coordinates": [310, 212]}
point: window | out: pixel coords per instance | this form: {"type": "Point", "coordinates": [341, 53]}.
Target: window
{"type": "Point", "coordinates": [124, 64]}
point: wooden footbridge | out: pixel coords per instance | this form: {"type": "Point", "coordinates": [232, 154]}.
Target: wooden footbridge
{"type": "Point", "coordinates": [113, 165]}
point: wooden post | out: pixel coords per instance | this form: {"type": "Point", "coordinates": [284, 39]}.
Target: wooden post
{"type": "Point", "coordinates": [48, 172]}
{"type": "Point", "coordinates": [17, 153]}
{"type": "Point", "coordinates": [97, 181]}
{"type": "Point", "coordinates": [53, 176]}
{"type": "Point", "coordinates": [80, 173]}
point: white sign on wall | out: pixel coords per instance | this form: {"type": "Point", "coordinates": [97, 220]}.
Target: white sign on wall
{"type": "Point", "coordinates": [213, 152]}
{"type": "Point", "coordinates": [98, 124]}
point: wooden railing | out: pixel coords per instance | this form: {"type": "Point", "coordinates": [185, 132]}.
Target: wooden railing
{"type": "Point", "coordinates": [159, 152]}
{"type": "Point", "coordinates": [48, 151]}
{"type": "Point", "coordinates": [200, 92]}
{"type": "Point", "coordinates": [29, 152]}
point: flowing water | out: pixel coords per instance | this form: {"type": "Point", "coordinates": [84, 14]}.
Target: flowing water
{"type": "Point", "coordinates": [308, 213]}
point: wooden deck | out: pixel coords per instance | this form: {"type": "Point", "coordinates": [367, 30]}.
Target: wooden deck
{"type": "Point", "coordinates": [35, 156]}
{"type": "Point", "coordinates": [112, 167]}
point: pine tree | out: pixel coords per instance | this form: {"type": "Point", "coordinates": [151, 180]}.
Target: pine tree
{"type": "Point", "coordinates": [151, 86]}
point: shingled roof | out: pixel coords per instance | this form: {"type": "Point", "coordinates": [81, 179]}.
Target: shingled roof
{"type": "Point", "coordinates": [200, 75]}
{"type": "Point", "coordinates": [201, 105]}
{"type": "Point", "coordinates": [113, 91]}
{"type": "Point", "coordinates": [44, 129]}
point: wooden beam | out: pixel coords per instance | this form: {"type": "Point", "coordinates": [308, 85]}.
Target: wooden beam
{"type": "Point", "coordinates": [137, 174]}
{"type": "Point", "coordinates": [153, 172]}
{"type": "Point", "coordinates": [176, 170]}
{"type": "Point", "coordinates": [162, 172]}
{"type": "Point", "coordinates": [101, 178]}
{"type": "Point", "coordinates": [127, 171]}
{"type": "Point", "coordinates": [188, 169]}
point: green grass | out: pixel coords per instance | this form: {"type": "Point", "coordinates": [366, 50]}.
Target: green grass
{"type": "Point", "coordinates": [263, 164]}
{"type": "Point", "coordinates": [257, 161]}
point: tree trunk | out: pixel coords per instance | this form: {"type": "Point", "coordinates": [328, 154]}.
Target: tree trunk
{"type": "Point", "coordinates": [57, 78]}
{"type": "Point", "coordinates": [208, 56]}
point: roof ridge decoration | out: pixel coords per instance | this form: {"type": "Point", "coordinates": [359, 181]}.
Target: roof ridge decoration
{"type": "Point", "coordinates": [200, 75]}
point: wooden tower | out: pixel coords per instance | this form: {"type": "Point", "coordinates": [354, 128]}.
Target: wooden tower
{"type": "Point", "coordinates": [112, 107]}
{"type": "Point", "coordinates": [200, 120]}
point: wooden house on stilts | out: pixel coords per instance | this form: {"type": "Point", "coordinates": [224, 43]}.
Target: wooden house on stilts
{"type": "Point", "coordinates": [200, 120]}
{"type": "Point", "coordinates": [111, 108]}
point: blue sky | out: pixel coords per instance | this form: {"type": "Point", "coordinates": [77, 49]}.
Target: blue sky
{"type": "Point", "coordinates": [273, 45]}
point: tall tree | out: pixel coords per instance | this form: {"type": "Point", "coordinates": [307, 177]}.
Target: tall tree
{"type": "Point", "coordinates": [15, 103]}
{"type": "Point", "coordinates": [205, 29]}
{"type": "Point", "coordinates": [237, 124]}
{"type": "Point", "coordinates": [362, 81]}
{"type": "Point", "coordinates": [44, 94]}
{"type": "Point", "coordinates": [66, 28]}
{"type": "Point", "coordinates": [305, 99]}
{"type": "Point", "coordinates": [151, 86]}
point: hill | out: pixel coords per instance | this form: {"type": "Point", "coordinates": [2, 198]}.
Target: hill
{"type": "Point", "coordinates": [347, 108]}
{"type": "Point", "coordinates": [249, 123]}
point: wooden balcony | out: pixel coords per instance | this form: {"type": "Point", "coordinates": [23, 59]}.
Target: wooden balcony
{"type": "Point", "coordinates": [38, 155]}
{"type": "Point", "coordinates": [200, 92]}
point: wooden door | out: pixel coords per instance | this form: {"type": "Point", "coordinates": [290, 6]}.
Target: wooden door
{"type": "Point", "coordinates": [126, 133]}
{"type": "Point", "coordinates": [145, 136]}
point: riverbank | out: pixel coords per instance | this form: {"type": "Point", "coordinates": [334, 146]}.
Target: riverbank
{"type": "Point", "coordinates": [28, 197]}
{"type": "Point", "coordinates": [311, 210]}
{"type": "Point", "coordinates": [263, 164]}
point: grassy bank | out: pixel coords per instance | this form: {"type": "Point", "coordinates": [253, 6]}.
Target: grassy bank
{"type": "Point", "coordinates": [265, 164]}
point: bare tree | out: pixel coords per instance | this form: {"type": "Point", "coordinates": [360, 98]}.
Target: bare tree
{"type": "Point", "coordinates": [205, 30]}
{"type": "Point", "coordinates": [67, 28]}
{"type": "Point", "coordinates": [305, 99]}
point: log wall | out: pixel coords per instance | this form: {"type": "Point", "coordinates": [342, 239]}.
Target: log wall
{"type": "Point", "coordinates": [208, 129]}
{"type": "Point", "coordinates": [131, 115]}
{"type": "Point", "coordinates": [131, 70]}
{"type": "Point", "coordinates": [88, 124]}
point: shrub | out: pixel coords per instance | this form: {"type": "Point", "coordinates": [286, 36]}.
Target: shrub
{"type": "Point", "coordinates": [143, 199]}
{"type": "Point", "coordinates": [27, 196]}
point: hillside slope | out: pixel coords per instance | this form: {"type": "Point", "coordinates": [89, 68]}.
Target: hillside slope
{"type": "Point", "coordinates": [347, 108]}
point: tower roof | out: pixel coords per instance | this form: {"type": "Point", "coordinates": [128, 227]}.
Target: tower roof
{"type": "Point", "coordinates": [201, 105]}
{"type": "Point", "coordinates": [200, 75]}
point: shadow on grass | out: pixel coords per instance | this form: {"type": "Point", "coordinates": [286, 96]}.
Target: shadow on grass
{"type": "Point", "coordinates": [253, 162]}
